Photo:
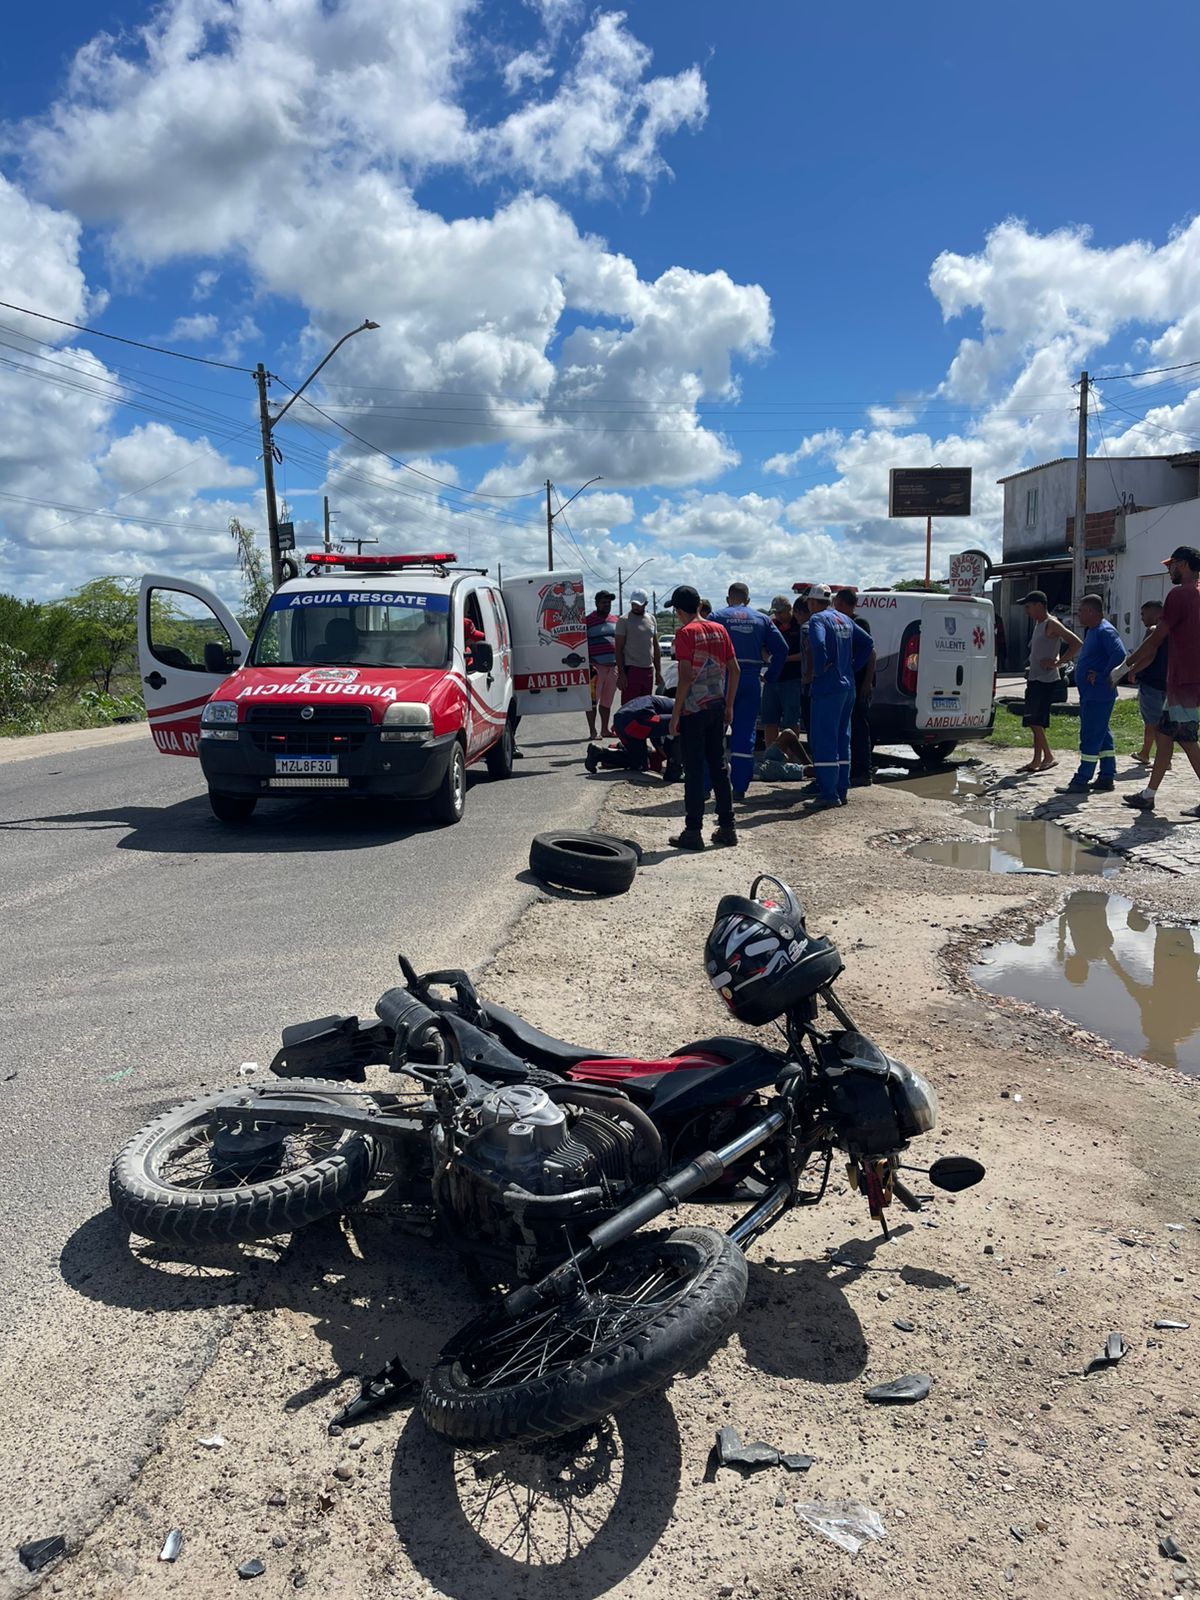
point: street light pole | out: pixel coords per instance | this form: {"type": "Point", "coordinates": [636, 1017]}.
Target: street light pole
{"type": "Point", "coordinates": [267, 423]}
{"type": "Point", "coordinates": [550, 516]}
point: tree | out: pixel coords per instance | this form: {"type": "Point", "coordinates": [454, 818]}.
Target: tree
{"type": "Point", "coordinates": [107, 610]}
{"type": "Point", "coordinates": [919, 583]}
{"type": "Point", "coordinates": [256, 580]}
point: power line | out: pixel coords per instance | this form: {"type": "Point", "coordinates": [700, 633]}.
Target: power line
{"type": "Point", "coordinates": [117, 516]}
{"type": "Point", "coordinates": [99, 333]}
{"type": "Point", "coordinates": [560, 515]}
{"type": "Point", "coordinates": [1181, 366]}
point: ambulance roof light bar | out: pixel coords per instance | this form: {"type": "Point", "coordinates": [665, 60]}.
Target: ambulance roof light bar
{"type": "Point", "coordinates": [328, 558]}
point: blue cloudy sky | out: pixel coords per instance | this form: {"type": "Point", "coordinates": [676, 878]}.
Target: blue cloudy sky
{"type": "Point", "coordinates": [736, 260]}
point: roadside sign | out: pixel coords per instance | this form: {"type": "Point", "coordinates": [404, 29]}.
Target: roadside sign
{"type": "Point", "coordinates": [287, 535]}
{"type": "Point", "coordinates": [968, 572]}
{"type": "Point", "coordinates": [929, 492]}
{"type": "Point", "coordinates": [1101, 569]}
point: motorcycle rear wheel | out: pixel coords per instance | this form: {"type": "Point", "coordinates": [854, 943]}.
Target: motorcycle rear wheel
{"type": "Point", "coordinates": [173, 1185]}
{"type": "Point", "coordinates": [653, 1306]}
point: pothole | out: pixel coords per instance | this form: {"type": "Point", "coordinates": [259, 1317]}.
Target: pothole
{"type": "Point", "coordinates": [1018, 844]}
{"type": "Point", "coordinates": [1103, 963]}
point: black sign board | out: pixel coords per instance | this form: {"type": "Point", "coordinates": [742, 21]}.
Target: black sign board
{"type": "Point", "coordinates": [929, 492]}
{"type": "Point", "coordinates": [287, 535]}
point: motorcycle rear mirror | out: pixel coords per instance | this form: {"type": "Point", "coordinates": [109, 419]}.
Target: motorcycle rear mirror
{"type": "Point", "coordinates": [769, 890]}
{"type": "Point", "coordinates": [955, 1173]}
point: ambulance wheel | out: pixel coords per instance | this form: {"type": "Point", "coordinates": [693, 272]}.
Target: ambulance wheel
{"type": "Point", "coordinates": [232, 807]}
{"type": "Point", "coordinates": [935, 755]}
{"type": "Point", "coordinates": [450, 801]}
{"type": "Point", "coordinates": [500, 757]}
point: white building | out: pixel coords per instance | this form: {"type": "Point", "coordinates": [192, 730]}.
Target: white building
{"type": "Point", "coordinates": [1123, 492]}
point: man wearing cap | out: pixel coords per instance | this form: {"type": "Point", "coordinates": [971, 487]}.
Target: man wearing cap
{"type": "Point", "coordinates": [861, 746]}
{"type": "Point", "coordinates": [1050, 646]}
{"type": "Point", "coordinates": [639, 663]}
{"type": "Point", "coordinates": [1180, 623]}
{"type": "Point", "coordinates": [704, 701]}
{"type": "Point", "coordinates": [757, 642]}
{"type": "Point", "coordinates": [1101, 651]}
{"type": "Point", "coordinates": [602, 660]}
{"type": "Point", "coordinates": [837, 650]}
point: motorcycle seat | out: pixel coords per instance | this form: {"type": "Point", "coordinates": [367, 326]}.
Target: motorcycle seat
{"type": "Point", "coordinates": [531, 1044]}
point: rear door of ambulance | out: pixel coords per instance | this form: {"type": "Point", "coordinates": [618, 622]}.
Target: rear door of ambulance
{"type": "Point", "coordinates": [547, 615]}
{"type": "Point", "coordinates": [957, 665]}
{"type": "Point", "coordinates": [188, 644]}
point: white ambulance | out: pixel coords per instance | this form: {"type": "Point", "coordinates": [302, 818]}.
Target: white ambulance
{"type": "Point", "coordinates": [935, 668]}
{"type": "Point", "coordinates": [371, 675]}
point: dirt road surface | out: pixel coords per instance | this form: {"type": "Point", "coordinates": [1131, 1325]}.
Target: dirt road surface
{"type": "Point", "coordinates": [1018, 1476]}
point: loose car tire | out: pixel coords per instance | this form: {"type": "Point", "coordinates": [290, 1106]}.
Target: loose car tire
{"type": "Point", "coordinates": [537, 1378]}
{"type": "Point", "coordinates": [500, 756]}
{"type": "Point", "coordinates": [935, 755]}
{"type": "Point", "coordinates": [594, 861]}
{"type": "Point", "coordinates": [207, 1212]}
{"type": "Point", "coordinates": [450, 801]}
{"type": "Point", "coordinates": [232, 807]}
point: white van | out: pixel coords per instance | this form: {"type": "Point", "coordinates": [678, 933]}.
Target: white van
{"type": "Point", "coordinates": [935, 668]}
{"type": "Point", "coordinates": [371, 675]}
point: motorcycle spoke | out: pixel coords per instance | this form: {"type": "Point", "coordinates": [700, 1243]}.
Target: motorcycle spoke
{"type": "Point", "coordinates": [191, 1163]}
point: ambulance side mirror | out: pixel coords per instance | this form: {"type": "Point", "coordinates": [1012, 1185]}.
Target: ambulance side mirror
{"type": "Point", "coordinates": [482, 657]}
{"type": "Point", "coordinates": [217, 658]}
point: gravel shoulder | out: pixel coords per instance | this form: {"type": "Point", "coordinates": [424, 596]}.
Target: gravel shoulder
{"type": "Point", "coordinates": [1017, 1476]}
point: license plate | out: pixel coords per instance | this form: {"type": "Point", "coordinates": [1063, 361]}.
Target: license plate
{"type": "Point", "coordinates": [307, 766]}
{"type": "Point", "coordinates": [945, 702]}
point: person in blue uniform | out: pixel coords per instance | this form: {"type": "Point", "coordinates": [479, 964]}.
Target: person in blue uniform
{"type": "Point", "coordinates": [1101, 651]}
{"type": "Point", "coordinates": [756, 641]}
{"type": "Point", "coordinates": [838, 650]}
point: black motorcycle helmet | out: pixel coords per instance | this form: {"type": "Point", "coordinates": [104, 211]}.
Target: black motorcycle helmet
{"type": "Point", "coordinates": [760, 958]}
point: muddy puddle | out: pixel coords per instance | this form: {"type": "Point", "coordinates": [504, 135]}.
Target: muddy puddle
{"type": "Point", "coordinates": [1018, 844]}
{"type": "Point", "coordinates": [1105, 965]}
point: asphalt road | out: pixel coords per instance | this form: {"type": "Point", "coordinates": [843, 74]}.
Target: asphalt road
{"type": "Point", "coordinates": [147, 951]}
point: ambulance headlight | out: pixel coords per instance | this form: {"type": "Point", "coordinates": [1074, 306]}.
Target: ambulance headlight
{"type": "Point", "coordinates": [407, 720]}
{"type": "Point", "coordinates": [218, 720]}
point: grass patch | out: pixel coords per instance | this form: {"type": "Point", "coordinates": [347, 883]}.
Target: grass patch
{"type": "Point", "coordinates": [69, 709]}
{"type": "Point", "coordinates": [1064, 731]}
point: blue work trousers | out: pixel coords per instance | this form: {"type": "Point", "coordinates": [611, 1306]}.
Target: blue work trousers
{"type": "Point", "coordinates": [1096, 740]}
{"type": "Point", "coordinates": [829, 740]}
{"type": "Point", "coordinates": [743, 727]}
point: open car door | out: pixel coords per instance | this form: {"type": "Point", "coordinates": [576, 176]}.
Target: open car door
{"type": "Point", "coordinates": [188, 644]}
{"type": "Point", "coordinates": [546, 611]}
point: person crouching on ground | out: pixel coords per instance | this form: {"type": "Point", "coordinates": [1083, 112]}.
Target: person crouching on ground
{"type": "Point", "coordinates": [648, 718]}
{"type": "Point", "coordinates": [785, 760]}
{"type": "Point", "coordinates": [704, 700]}
{"type": "Point", "coordinates": [602, 660]}
{"type": "Point", "coordinates": [639, 661]}
{"type": "Point", "coordinates": [1051, 645]}
{"type": "Point", "coordinates": [1099, 654]}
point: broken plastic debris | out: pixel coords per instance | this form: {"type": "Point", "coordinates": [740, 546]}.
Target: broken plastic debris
{"type": "Point", "coordinates": [901, 1391]}
{"type": "Point", "coordinates": [215, 1441]}
{"type": "Point", "coordinates": [1114, 1348]}
{"type": "Point", "coordinates": [796, 1463]}
{"type": "Point", "coordinates": [904, 1325]}
{"type": "Point", "coordinates": [246, 1068]}
{"type": "Point", "coordinates": [251, 1569]}
{"type": "Point", "coordinates": [389, 1387]}
{"type": "Point", "coordinates": [1167, 1547]}
{"type": "Point", "coordinates": [172, 1545]}
{"type": "Point", "coordinates": [846, 1522]}
{"type": "Point", "coordinates": [1172, 1322]}
{"type": "Point", "coordinates": [39, 1553]}
{"type": "Point", "coordinates": [731, 1452]}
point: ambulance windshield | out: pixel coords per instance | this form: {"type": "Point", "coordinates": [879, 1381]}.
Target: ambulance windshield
{"type": "Point", "coordinates": [334, 628]}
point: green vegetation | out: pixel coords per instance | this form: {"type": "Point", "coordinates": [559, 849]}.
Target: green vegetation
{"type": "Point", "coordinates": [1064, 731]}
{"type": "Point", "coordinates": [919, 584]}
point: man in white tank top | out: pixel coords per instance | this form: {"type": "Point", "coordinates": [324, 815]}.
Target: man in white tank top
{"type": "Point", "coordinates": [1051, 646]}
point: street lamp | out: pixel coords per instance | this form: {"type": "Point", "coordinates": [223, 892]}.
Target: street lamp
{"type": "Point", "coordinates": [267, 423]}
{"type": "Point", "coordinates": [623, 579]}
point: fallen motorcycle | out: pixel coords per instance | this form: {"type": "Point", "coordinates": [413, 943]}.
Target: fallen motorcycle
{"type": "Point", "coordinates": [540, 1163]}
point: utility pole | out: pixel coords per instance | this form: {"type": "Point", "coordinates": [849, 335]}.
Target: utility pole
{"type": "Point", "coordinates": [328, 540]}
{"type": "Point", "coordinates": [1079, 544]}
{"type": "Point", "coordinates": [549, 531]}
{"type": "Point", "coordinates": [928, 549]}
{"type": "Point", "coordinates": [268, 458]}
{"type": "Point", "coordinates": [620, 594]}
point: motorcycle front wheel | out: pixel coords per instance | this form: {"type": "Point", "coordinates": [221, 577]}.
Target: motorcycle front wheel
{"type": "Point", "coordinates": [651, 1307]}
{"type": "Point", "coordinates": [185, 1179]}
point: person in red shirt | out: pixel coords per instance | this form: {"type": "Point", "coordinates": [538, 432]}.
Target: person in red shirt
{"type": "Point", "coordinates": [704, 696]}
{"type": "Point", "coordinates": [1180, 623]}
